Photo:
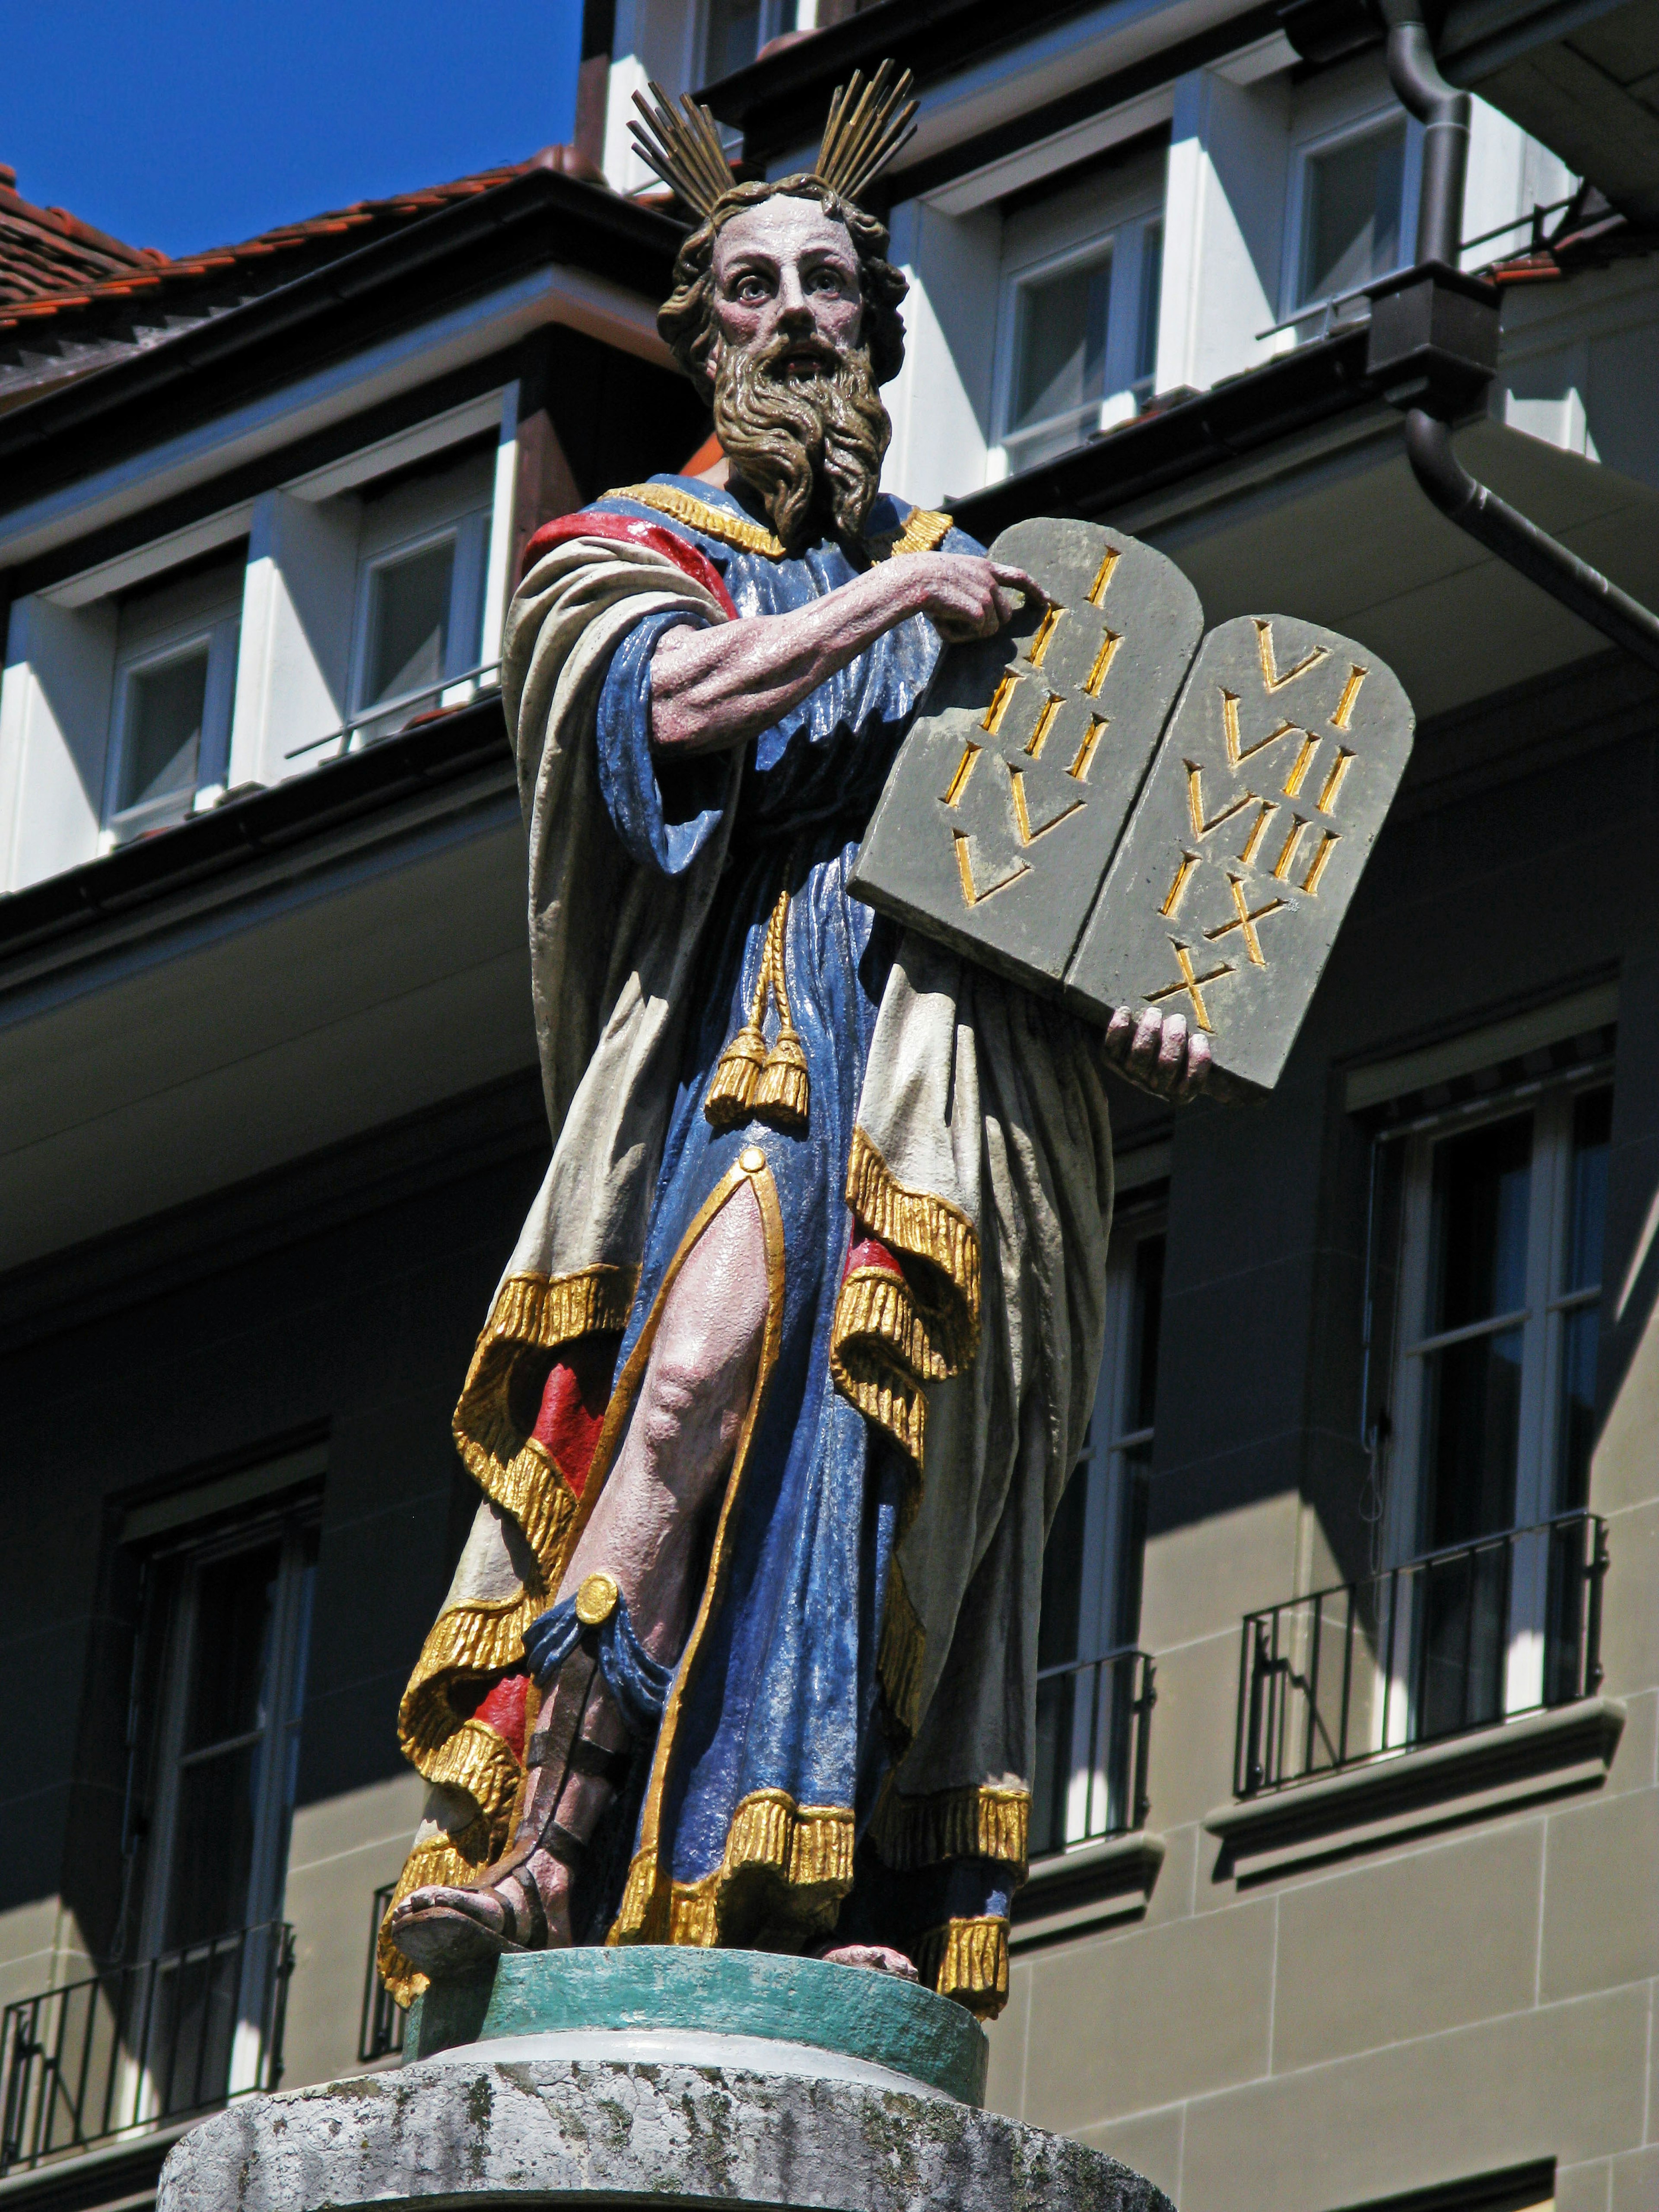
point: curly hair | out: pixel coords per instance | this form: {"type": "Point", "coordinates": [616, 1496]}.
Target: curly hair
{"type": "Point", "coordinates": [686, 318]}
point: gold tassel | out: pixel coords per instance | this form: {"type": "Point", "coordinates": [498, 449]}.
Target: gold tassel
{"type": "Point", "coordinates": [731, 1094]}
{"type": "Point", "coordinates": [750, 1081]}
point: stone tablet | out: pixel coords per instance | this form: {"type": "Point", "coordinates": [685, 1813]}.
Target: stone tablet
{"type": "Point", "coordinates": [1244, 850]}
{"type": "Point", "coordinates": [1010, 794]}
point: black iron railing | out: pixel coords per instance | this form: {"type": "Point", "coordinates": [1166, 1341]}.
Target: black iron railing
{"type": "Point", "coordinates": [135, 2046]}
{"type": "Point", "coordinates": [1456, 1640]}
{"type": "Point", "coordinates": [1093, 1727]}
{"type": "Point", "coordinates": [380, 2034]}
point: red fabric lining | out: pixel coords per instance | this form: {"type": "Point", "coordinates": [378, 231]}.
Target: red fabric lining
{"type": "Point", "coordinates": [870, 1252]}
{"type": "Point", "coordinates": [574, 1401]}
{"type": "Point", "coordinates": [685, 557]}
{"type": "Point", "coordinates": [502, 1708]}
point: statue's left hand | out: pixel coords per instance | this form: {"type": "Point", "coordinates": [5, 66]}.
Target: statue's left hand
{"type": "Point", "coordinates": [1159, 1054]}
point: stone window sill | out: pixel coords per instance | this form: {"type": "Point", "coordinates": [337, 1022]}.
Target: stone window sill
{"type": "Point", "coordinates": [1090, 1886]}
{"type": "Point", "coordinates": [1535, 1755]}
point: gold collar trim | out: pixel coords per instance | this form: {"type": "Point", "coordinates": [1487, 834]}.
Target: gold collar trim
{"type": "Point", "coordinates": [922, 531]}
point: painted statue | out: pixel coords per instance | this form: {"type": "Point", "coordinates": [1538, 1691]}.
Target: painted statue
{"type": "Point", "coordinates": [799, 1343]}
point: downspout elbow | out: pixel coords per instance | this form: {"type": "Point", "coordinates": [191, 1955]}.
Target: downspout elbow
{"type": "Point", "coordinates": [1444, 112]}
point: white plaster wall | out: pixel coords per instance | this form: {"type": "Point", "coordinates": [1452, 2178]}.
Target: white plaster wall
{"type": "Point", "coordinates": [652, 39]}
{"type": "Point", "coordinates": [1224, 226]}
{"type": "Point", "coordinates": [940, 402]}
{"type": "Point", "coordinates": [54, 736]}
{"type": "Point", "coordinates": [295, 655]}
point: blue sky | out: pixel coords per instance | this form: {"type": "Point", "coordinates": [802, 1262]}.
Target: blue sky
{"type": "Point", "coordinates": [183, 126]}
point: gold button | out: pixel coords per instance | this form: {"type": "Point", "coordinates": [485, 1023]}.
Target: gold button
{"type": "Point", "coordinates": [596, 1601]}
{"type": "Point", "coordinates": [751, 1159]}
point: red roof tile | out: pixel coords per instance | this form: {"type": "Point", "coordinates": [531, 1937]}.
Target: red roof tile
{"type": "Point", "coordinates": [53, 265]}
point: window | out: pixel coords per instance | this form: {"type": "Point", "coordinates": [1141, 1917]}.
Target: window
{"type": "Point", "coordinates": [1082, 273]}
{"type": "Point", "coordinates": [1499, 1296]}
{"type": "Point", "coordinates": [424, 547]}
{"type": "Point", "coordinates": [1353, 196]}
{"type": "Point", "coordinates": [220, 1685]}
{"type": "Point", "coordinates": [1092, 1682]}
{"type": "Point", "coordinates": [175, 681]}
{"type": "Point", "coordinates": [736, 30]}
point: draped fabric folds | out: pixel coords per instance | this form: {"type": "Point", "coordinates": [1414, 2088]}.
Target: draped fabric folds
{"type": "Point", "coordinates": [849, 1742]}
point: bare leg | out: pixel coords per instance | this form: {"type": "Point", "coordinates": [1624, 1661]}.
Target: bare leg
{"type": "Point", "coordinates": [696, 1391]}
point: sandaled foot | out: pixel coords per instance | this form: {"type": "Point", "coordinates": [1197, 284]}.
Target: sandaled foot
{"type": "Point", "coordinates": [521, 1904]}
{"type": "Point", "coordinates": [879, 1958]}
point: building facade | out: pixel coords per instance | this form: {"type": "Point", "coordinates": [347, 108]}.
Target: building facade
{"type": "Point", "coordinates": [1345, 1831]}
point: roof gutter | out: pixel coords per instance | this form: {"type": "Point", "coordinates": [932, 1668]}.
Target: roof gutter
{"type": "Point", "coordinates": [1434, 346]}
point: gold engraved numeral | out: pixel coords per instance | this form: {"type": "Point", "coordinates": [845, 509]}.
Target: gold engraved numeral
{"type": "Point", "coordinates": [999, 706]}
{"type": "Point", "coordinates": [1102, 665]}
{"type": "Point", "coordinates": [1258, 831]}
{"type": "Point", "coordinates": [1245, 917]}
{"type": "Point", "coordinates": [1286, 859]}
{"type": "Point", "coordinates": [1192, 984]}
{"type": "Point", "coordinates": [1044, 637]}
{"type": "Point", "coordinates": [1196, 803]}
{"type": "Point", "coordinates": [1345, 705]}
{"type": "Point", "coordinates": [1317, 865]}
{"type": "Point", "coordinates": [1103, 576]}
{"type": "Point", "coordinates": [1045, 722]}
{"type": "Point", "coordinates": [958, 782]}
{"type": "Point", "coordinates": [1301, 764]}
{"type": "Point", "coordinates": [1270, 675]}
{"type": "Point", "coordinates": [1326, 801]}
{"type": "Point", "coordinates": [1177, 889]}
{"type": "Point", "coordinates": [972, 895]}
{"type": "Point", "coordinates": [1085, 752]}
{"type": "Point", "coordinates": [1237, 752]}
{"type": "Point", "coordinates": [1022, 820]}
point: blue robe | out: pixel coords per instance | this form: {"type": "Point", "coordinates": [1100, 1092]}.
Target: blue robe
{"type": "Point", "coordinates": [782, 1692]}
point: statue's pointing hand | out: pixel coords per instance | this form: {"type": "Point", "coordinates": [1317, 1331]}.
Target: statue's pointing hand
{"type": "Point", "coordinates": [967, 595]}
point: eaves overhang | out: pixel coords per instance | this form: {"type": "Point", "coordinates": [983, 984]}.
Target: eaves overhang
{"type": "Point", "coordinates": [779, 102]}
{"type": "Point", "coordinates": [394, 283]}
{"type": "Point", "coordinates": [213, 861]}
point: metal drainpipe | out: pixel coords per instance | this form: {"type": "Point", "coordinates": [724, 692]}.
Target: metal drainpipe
{"type": "Point", "coordinates": [1443, 112]}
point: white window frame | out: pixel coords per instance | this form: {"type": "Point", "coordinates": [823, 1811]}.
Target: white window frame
{"type": "Point", "coordinates": [1304, 152]}
{"type": "Point", "coordinates": [278, 1735]}
{"type": "Point", "coordinates": [1123, 392]}
{"type": "Point", "coordinates": [462, 671]}
{"type": "Point", "coordinates": [1541, 1321]}
{"type": "Point", "coordinates": [219, 637]}
{"type": "Point", "coordinates": [1106, 1468]}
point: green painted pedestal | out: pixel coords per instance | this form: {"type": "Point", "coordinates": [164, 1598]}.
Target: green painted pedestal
{"type": "Point", "coordinates": [649, 2002]}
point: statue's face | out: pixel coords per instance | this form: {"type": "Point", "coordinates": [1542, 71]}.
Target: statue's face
{"type": "Point", "coordinates": [784, 272]}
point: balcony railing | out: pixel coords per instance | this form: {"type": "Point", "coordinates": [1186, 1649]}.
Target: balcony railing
{"type": "Point", "coordinates": [381, 2033]}
{"type": "Point", "coordinates": [1453, 1641]}
{"type": "Point", "coordinates": [1093, 1727]}
{"type": "Point", "coordinates": [136, 2046]}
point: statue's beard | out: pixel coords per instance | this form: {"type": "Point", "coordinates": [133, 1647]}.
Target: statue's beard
{"type": "Point", "coordinates": [812, 447]}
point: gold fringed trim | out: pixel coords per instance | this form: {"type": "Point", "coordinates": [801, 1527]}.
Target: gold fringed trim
{"type": "Point", "coordinates": [877, 1304]}
{"type": "Point", "coordinates": [805, 1850]}
{"type": "Point", "coordinates": [899, 1655]}
{"type": "Point", "coordinates": [916, 1224]}
{"type": "Point", "coordinates": [532, 1313]}
{"type": "Point", "coordinates": [967, 1959]}
{"type": "Point", "coordinates": [924, 531]}
{"type": "Point", "coordinates": [466, 1640]}
{"type": "Point", "coordinates": [866, 1376]}
{"type": "Point", "coordinates": [474, 1758]}
{"type": "Point", "coordinates": [532, 1489]}
{"type": "Point", "coordinates": [974, 1822]}
{"type": "Point", "coordinates": [454, 1859]}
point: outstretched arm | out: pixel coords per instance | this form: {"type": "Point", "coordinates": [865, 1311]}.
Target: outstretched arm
{"type": "Point", "coordinates": [713, 689]}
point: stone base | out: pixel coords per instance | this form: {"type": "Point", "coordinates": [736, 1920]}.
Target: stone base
{"type": "Point", "coordinates": [654, 2076]}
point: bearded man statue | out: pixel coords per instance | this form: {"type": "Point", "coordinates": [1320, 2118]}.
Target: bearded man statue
{"type": "Point", "coordinates": [798, 1346]}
